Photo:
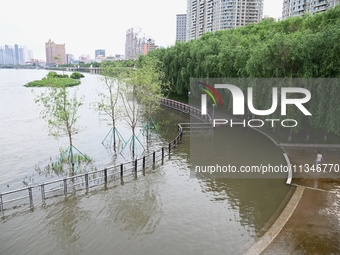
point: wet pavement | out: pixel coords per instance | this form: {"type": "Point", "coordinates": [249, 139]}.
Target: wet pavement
{"type": "Point", "coordinates": [313, 227]}
{"type": "Point", "coordinates": [310, 222]}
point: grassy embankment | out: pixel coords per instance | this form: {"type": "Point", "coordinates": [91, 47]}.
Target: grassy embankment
{"type": "Point", "coordinates": [53, 79]}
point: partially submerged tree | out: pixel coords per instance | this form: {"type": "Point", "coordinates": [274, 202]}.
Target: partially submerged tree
{"type": "Point", "coordinates": [147, 80]}
{"type": "Point", "coordinates": [60, 112]}
{"type": "Point", "coordinates": [131, 111]}
{"type": "Point", "coordinates": [113, 78]}
{"type": "Point", "coordinates": [140, 97]}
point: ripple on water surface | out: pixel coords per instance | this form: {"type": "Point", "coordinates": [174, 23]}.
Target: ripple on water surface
{"type": "Point", "coordinates": [166, 211]}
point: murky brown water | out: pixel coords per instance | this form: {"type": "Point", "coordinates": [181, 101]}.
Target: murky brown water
{"type": "Point", "coordinates": [167, 211]}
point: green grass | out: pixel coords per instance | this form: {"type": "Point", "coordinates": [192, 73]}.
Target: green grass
{"type": "Point", "coordinates": [53, 82]}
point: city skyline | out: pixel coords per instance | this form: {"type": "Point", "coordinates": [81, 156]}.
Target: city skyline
{"type": "Point", "coordinates": [83, 31]}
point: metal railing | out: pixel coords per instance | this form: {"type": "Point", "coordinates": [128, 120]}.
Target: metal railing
{"type": "Point", "coordinates": [185, 108]}
{"type": "Point", "coordinates": [29, 196]}
{"type": "Point", "coordinates": [103, 176]}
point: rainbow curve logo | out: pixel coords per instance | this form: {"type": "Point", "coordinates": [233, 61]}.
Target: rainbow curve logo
{"type": "Point", "coordinates": [211, 91]}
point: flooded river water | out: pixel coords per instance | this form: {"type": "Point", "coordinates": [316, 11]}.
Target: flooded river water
{"type": "Point", "coordinates": [167, 211]}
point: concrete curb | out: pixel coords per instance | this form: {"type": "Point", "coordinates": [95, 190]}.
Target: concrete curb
{"type": "Point", "coordinates": [290, 173]}
{"type": "Point", "coordinates": [275, 229]}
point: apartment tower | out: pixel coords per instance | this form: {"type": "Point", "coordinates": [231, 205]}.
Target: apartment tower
{"type": "Point", "coordinates": [181, 20]}
{"type": "Point", "coordinates": [55, 53]}
{"type": "Point", "coordinates": [293, 8]}
{"type": "Point", "coordinates": [137, 43]}
{"type": "Point", "coordinates": [212, 15]}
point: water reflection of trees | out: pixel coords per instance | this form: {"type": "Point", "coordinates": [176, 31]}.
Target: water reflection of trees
{"type": "Point", "coordinates": [167, 121]}
{"type": "Point", "coordinates": [135, 207]}
{"type": "Point", "coordinates": [63, 220]}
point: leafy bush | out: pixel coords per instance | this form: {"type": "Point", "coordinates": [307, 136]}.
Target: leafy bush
{"type": "Point", "coordinates": [76, 75]}
{"type": "Point", "coordinates": [53, 74]}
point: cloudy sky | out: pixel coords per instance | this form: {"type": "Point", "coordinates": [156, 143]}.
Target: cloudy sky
{"type": "Point", "coordinates": [85, 26]}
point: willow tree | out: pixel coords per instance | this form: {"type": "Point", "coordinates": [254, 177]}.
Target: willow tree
{"type": "Point", "coordinates": [60, 112]}
{"type": "Point", "coordinates": [296, 47]}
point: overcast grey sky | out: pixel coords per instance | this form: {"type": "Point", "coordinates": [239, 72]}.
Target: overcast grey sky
{"type": "Point", "coordinates": [85, 26]}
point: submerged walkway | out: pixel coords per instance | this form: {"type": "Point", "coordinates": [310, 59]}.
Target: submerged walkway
{"type": "Point", "coordinates": [314, 226]}
{"type": "Point", "coordinates": [310, 222]}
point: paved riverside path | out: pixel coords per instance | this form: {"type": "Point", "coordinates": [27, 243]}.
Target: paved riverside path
{"type": "Point", "coordinates": [312, 225]}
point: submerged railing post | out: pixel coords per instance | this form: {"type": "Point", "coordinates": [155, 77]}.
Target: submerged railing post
{"type": "Point", "coordinates": [173, 143]}
{"type": "Point", "coordinates": [87, 180]}
{"type": "Point", "coordinates": [65, 186]}
{"type": "Point", "coordinates": [30, 195]}
{"type": "Point", "coordinates": [42, 191]}
{"type": "Point", "coordinates": [105, 175]}
{"type": "Point", "coordinates": [1, 203]}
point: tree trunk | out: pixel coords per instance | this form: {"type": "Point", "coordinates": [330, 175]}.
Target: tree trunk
{"type": "Point", "coordinates": [133, 143]}
{"type": "Point", "coordinates": [71, 153]}
{"type": "Point", "coordinates": [114, 134]}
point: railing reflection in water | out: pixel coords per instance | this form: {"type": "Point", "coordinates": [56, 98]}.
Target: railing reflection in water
{"type": "Point", "coordinates": [103, 176]}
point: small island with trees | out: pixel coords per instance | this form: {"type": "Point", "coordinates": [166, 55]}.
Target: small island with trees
{"type": "Point", "coordinates": [53, 79]}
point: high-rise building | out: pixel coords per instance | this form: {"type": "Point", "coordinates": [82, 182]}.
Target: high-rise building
{"type": "Point", "coordinates": [181, 23]}
{"type": "Point", "coordinates": [17, 55]}
{"type": "Point", "coordinates": [23, 54]}
{"type": "Point", "coordinates": [2, 55]}
{"type": "Point", "coordinates": [100, 52]}
{"type": "Point", "coordinates": [149, 45]}
{"type": "Point", "coordinates": [212, 15]}
{"type": "Point", "coordinates": [293, 8]}
{"type": "Point", "coordinates": [69, 58]}
{"type": "Point", "coordinates": [132, 44]}
{"type": "Point", "coordinates": [9, 55]}
{"type": "Point", "coordinates": [55, 53]}
{"type": "Point", "coordinates": [137, 43]}
{"type": "Point", "coordinates": [29, 55]}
